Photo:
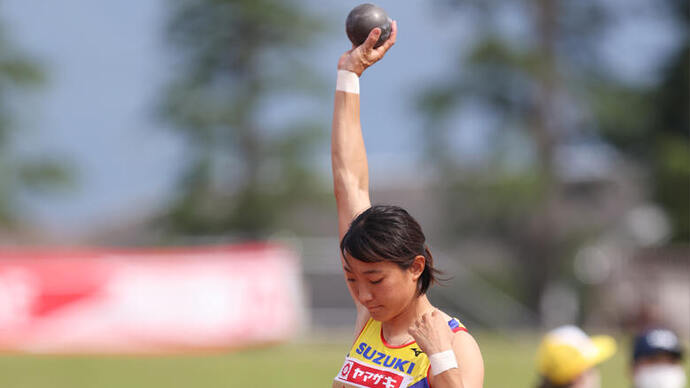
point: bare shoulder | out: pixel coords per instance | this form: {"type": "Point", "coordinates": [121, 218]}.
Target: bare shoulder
{"type": "Point", "coordinates": [465, 341]}
{"type": "Point", "coordinates": [448, 318]}
{"type": "Point", "coordinates": [444, 315]}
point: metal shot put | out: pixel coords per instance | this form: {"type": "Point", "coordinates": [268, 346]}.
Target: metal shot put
{"type": "Point", "coordinates": [364, 18]}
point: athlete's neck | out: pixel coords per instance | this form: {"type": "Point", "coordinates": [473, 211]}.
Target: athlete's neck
{"type": "Point", "coordinates": [395, 329]}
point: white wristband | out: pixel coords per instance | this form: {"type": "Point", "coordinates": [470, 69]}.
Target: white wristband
{"type": "Point", "coordinates": [347, 82]}
{"type": "Point", "coordinates": [441, 362]}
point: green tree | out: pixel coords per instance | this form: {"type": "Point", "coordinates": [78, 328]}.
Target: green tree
{"type": "Point", "coordinates": [241, 174]}
{"type": "Point", "coordinates": [542, 88]}
{"type": "Point", "coordinates": [652, 125]}
{"type": "Point", "coordinates": [20, 173]}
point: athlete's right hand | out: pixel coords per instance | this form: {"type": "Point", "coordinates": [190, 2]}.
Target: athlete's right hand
{"type": "Point", "coordinates": [432, 333]}
{"type": "Point", "coordinates": [359, 58]}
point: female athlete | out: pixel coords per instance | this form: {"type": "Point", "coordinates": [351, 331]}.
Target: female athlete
{"type": "Point", "coordinates": [401, 339]}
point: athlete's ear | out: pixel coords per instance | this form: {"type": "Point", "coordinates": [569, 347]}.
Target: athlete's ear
{"type": "Point", "coordinates": [417, 267]}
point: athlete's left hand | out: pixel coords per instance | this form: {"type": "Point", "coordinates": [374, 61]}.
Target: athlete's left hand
{"type": "Point", "coordinates": [432, 333]}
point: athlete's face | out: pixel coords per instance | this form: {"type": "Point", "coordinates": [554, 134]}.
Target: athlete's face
{"type": "Point", "coordinates": [383, 287]}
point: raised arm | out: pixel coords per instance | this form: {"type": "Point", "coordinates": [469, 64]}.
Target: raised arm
{"type": "Point", "coordinates": [349, 161]}
{"type": "Point", "coordinates": [348, 155]}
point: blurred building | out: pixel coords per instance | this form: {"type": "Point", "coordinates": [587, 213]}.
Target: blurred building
{"type": "Point", "coordinates": [652, 288]}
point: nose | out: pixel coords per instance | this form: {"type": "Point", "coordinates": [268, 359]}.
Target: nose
{"type": "Point", "coordinates": [364, 295]}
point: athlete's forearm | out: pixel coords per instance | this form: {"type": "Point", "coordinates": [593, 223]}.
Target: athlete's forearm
{"type": "Point", "coordinates": [448, 379]}
{"type": "Point", "coordinates": [469, 372]}
{"type": "Point", "coordinates": [348, 157]}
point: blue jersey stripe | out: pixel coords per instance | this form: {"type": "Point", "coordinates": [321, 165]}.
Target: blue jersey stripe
{"type": "Point", "coordinates": [423, 383]}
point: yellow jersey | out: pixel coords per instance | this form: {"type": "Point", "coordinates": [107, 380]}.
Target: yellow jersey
{"type": "Point", "coordinates": [372, 363]}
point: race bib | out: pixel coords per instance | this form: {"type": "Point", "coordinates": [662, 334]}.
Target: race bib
{"type": "Point", "coordinates": [358, 374]}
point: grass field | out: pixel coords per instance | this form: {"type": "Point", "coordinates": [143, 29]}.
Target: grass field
{"type": "Point", "coordinates": [508, 362]}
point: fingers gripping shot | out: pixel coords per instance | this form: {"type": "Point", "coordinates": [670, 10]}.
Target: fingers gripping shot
{"type": "Point", "coordinates": [401, 339]}
{"type": "Point", "coordinates": [364, 18]}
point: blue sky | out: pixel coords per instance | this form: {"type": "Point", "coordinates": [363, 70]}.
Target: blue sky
{"type": "Point", "coordinates": [106, 63]}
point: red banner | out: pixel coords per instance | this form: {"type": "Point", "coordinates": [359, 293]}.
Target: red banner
{"type": "Point", "coordinates": [148, 301]}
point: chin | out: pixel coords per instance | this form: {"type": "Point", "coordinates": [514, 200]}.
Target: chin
{"type": "Point", "coordinates": [381, 315]}
{"type": "Point", "coordinates": [378, 314]}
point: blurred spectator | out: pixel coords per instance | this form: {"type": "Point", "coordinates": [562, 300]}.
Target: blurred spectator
{"type": "Point", "coordinates": [657, 360]}
{"type": "Point", "coordinates": [567, 358]}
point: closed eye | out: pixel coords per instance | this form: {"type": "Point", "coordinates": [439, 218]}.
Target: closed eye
{"type": "Point", "coordinates": [376, 281]}
{"type": "Point", "coordinates": [350, 280]}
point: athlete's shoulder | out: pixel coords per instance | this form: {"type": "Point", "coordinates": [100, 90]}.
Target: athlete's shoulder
{"type": "Point", "coordinates": [454, 323]}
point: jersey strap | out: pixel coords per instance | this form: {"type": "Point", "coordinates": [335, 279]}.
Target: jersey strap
{"type": "Point", "coordinates": [456, 326]}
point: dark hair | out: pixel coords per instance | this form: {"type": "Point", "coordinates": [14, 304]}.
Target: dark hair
{"type": "Point", "coordinates": [389, 233]}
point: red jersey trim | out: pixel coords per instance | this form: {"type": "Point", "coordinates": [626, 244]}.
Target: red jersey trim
{"type": "Point", "coordinates": [383, 340]}
{"type": "Point", "coordinates": [428, 379]}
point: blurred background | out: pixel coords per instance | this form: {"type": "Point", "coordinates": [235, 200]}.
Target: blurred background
{"type": "Point", "coordinates": [543, 145]}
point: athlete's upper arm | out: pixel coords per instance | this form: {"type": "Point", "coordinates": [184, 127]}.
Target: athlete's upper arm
{"type": "Point", "coordinates": [469, 358]}
{"type": "Point", "coordinates": [350, 204]}
{"type": "Point", "coordinates": [362, 318]}
{"type": "Point", "coordinates": [362, 312]}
